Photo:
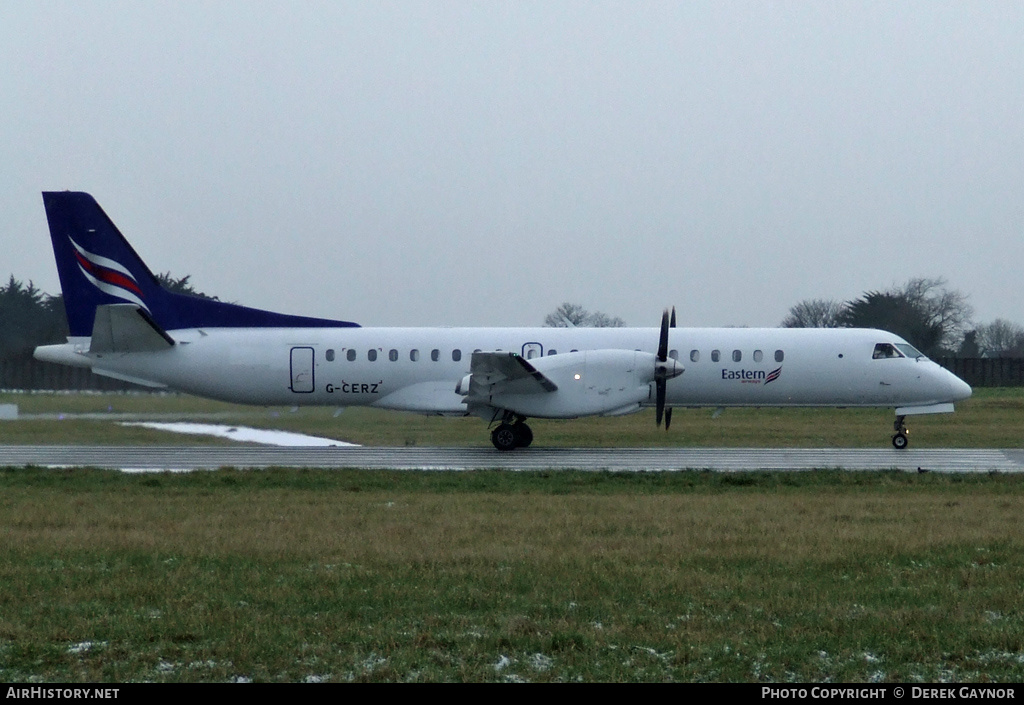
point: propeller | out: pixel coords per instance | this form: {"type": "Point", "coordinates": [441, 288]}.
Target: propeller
{"type": "Point", "coordinates": [668, 411]}
{"type": "Point", "coordinates": [664, 369]}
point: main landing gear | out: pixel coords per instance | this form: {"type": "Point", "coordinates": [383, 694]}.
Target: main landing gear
{"type": "Point", "coordinates": [900, 441]}
{"type": "Point", "coordinates": [509, 436]}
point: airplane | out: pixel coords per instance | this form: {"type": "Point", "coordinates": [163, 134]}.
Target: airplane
{"type": "Point", "coordinates": [125, 325]}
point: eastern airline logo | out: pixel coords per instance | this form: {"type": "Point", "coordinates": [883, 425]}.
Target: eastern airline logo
{"type": "Point", "coordinates": [753, 376]}
{"type": "Point", "coordinates": [108, 276]}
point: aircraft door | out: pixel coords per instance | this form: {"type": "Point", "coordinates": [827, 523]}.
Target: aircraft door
{"type": "Point", "coordinates": [302, 370]}
{"type": "Point", "coordinates": [532, 350]}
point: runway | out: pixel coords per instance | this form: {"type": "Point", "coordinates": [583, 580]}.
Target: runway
{"type": "Point", "coordinates": [186, 458]}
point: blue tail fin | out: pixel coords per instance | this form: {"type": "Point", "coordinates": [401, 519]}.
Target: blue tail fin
{"type": "Point", "coordinates": [97, 266]}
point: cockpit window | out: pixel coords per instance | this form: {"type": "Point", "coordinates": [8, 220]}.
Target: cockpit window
{"type": "Point", "coordinates": [885, 351]}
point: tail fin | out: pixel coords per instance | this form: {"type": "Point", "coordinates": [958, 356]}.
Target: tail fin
{"type": "Point", "coordinates": [98, 267]}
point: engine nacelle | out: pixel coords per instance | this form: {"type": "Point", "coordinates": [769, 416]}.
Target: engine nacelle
{"type": "Point", "coordinates": [590, 383]}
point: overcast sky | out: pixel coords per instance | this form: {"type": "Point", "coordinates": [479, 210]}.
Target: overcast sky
{"type": "Point", "coordinates": [478, 163]}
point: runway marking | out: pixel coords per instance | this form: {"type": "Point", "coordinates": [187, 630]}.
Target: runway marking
{"type": "Point", "coordinates": [179, 458]}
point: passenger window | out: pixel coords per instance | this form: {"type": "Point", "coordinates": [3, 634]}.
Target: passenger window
{"type": "Point", "coordinates": [435, 355]}
{"type": "Point", "coordinates": [456, 355]}
{"type": "Point", "coordinates": [552, 351]}
{"type": "Point", "coordinates": [330, 355]}
{"type": "Point", "coordinates": [695, 356]}
{"type": "Point", "coordinates": [737, 356]}
{"type": "Point", "coordinates": [779, 355]}
{"type": "Point", "coordinates": [351, 354]}
{"type": "Point", "coordinates": [758, 356]}
{"type": "Point", "coordinates": [674, 354]}
{"type": "Point", "coordinates": [414, 355]}
{"type": "Point", "coordinates": [371, 355]}
{"type": "Point", "coordinates": [393, 355]}
{"type": "Point", "coordinates": [715, 356]}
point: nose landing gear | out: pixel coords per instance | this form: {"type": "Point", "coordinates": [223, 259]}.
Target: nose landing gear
{"type": "Point", "coordinates": [900, 440]}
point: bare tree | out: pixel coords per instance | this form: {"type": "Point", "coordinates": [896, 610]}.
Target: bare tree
{"type": "Point", "coordinates": [926, 313]}
{"type": "Point", "coordinates": [570, 315]}
{"type": "Point", "coordinates": [603, 320]}
{"type": "Point", "coordinates": [891, 311]}
{"type": "Point", "coordinates": [1001, 338]}
{"type": "Point", "coordinates": [815, 313]}
{"type": "Point", "coordinates": [946, 309]}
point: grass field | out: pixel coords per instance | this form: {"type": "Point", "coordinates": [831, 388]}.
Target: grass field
{"type": "Point", "coordinates": [288, 575]}
{"type": "Point", "coordinates": [377, 576]}
{"type": "Point", "coordinates": [991, 418]}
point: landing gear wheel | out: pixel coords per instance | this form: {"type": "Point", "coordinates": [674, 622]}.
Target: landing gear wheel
{"type": "Point", "coordinates": [900, 440]}
{"type": "Point", "coordinates": [505, 437]}
{"type": "Point", "coordinates": [524, 433]}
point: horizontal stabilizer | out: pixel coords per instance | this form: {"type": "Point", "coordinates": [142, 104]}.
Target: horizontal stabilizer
{"type": "Point", "coordinates": [126, 328]}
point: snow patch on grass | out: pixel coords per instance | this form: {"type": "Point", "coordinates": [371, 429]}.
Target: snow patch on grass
{"type": "Point", "coordinates": [242, 434]}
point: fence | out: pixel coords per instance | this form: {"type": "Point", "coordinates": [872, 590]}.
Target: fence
{"type": "Point", "coordinates": [24, 372]}
{"type": "Point", "coordinates": [987, 371]}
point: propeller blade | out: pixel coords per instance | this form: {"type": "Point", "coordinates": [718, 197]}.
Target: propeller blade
{"type": "Point", "coordinates": [664, 372]}
{"type": "Point", "coordinates": [663, 342]}
{"type": "Point", "coordinates": [660, 412]}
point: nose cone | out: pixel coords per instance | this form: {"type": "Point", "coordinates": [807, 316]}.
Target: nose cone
{"type": "Point", "coordinates": [959, 389]}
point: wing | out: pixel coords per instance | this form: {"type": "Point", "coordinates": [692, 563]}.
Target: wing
{"type": "Point", "coordinates": [567, 386]}
{"type": "Point", "coordinates": [503, 373]}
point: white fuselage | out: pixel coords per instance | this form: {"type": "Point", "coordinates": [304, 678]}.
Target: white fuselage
{"type": "Point", "coordinates": [418, 369]}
